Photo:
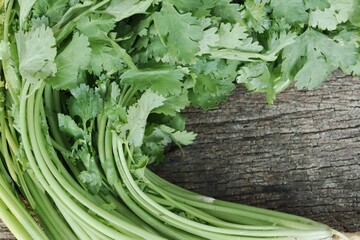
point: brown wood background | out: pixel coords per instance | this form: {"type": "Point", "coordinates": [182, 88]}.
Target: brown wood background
{"type": "Point", "coordinates": [300, 155]}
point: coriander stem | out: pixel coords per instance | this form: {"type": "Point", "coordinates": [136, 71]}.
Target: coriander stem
{"type": "Point", "coordinates": [13, 224]}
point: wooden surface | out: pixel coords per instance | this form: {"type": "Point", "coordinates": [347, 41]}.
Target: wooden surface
{"type": "Point", "coordinates": [300, 155]}
{"type": "Point", "coordinates": [5, 234]}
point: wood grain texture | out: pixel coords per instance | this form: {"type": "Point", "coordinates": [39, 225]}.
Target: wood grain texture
{"type": "Point", "coordinates": [5, 234]}
{"type": "Point", "coordinates": [300, 155]}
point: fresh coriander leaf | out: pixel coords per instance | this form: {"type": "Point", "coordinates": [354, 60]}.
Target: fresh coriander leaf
{"type": "Point", "coordinates": [159, 137]}
{"type": "Point", "coordinates": [174, 104]}
{"type": "Point", "coordinates": [180, 33]}
{"type": "Point", "coordinates": [39, 21]}
{"type": "Point", "coordinates": [317, 4]}
{"type": "Point", "coordinates": [115, 92]}
{"type": "Point", "coordinates": [258, 77]}
{"type": "Point", "coordinates": [96, 25]}
{"type": "Point", "coordinates": [53, 9]}
{"type": "Point", "coordinates": [313, 57]}
{"type": "Point", "coordinates": [70, 66]}
{"type": "Point", "coordinates": [355, 15]}
{"type": "Point", "coordinates": [91, 176]}
{"type": "Point", "coordinates": [210, 37]}
{"type": "Point", "coordinates": [138, 169]}
{"type": "Point", "coordinates": [254, 76]}
{"type": "Point", "coordinates": [85, 103]}
{"type": "Point", "coordinates": [81, 152]}
{"type": "Point", "coordinates": [76, 8]}
{"type": "Point", "coordinates": [329, 18]}
{"type": "Point", "coordinates": [138, 114]}
{"type": "Point", "coordinates": [232, 36]}
{"type": "Point", "coordinates": [92, 179]}
{"type": "Point", "coordinates": [122, 9]}
{"type": "Point", "coordinates": [213, 82]}
{"type": "Point", "coordinates": [207, 95]}
{"type": "Point", "coordinates": [256, 15]}
{"type": "Point", "coordinates": [353, 69]}
{"type": "Point", "coordinates": [179, 137]}
{"type": "Point", "coordinates": [198, 8]}
{"type": "Point", "coordinates": [25, 8]}
{"type": "Point", "coordinates": [277, 42]}
{"type": "Point", "coordinates": [104, 59]}
{"type": "Point", "coordinates": [36, 50]}
{"type": "Point", "coordinates": [235, 37]}
{"type": "Point", "coordinates": [9, 69]}
{"type": "Point", "coordinates": [151, 47]}
{"type": "Point", "coordinates": [187, 5]}
{"type": "Point", "coordinates": [314, 71]}
{"type": "Point", "coordinates": [350, 38]}
{"type": "Point", "coordinates": [235, 44]}
{"type": "Point", "coordinates": [69, 126]}
{"type": "Point", "coordinates": [227, 11]}
{"type": "Point", "coordinates": [294, 11]}
{"type": "Point", "coordinates": [163, 81]}
{"type": "Point", "coordinates": [112, 109]}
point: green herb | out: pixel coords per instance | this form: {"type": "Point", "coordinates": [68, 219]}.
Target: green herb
{"type": "Point", "coordinates": [92, 93]}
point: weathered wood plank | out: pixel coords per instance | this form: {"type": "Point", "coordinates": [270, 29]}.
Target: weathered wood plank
{"type": "Point", "coordinates": [301, 155]}
{"type": "Point", "coordinates": [5, 234]}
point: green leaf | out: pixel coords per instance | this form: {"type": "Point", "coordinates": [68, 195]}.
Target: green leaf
{"type": "Point", "coordinates": [12, 77]}
{"type": "Point", "coordinates": [85, 103]}
{"type": "Point", "coordinates": [232, 36]}
{"type": "Point", "coordinates": [353, 69]}
{"type": "Point", "coordinates": [69, 126]}
{"type": "Point", "coordinates": [313, 56]}
{"type": "Point", "coordinates": [198, 8]}
{"type": "Point", "coordinates": [355, 15]}
{"type": "Point", "coordinates": [122, 9]}
{"type": "Point", "coordinates": [92, 179]}
{"type": "Point", "coordinates": [163, 81]}
{"type": "Point", "coordinates": [71, 62]}
{"type": "Point", "coordinates": [112, 109]}
{"type": "Point", "coordinates": [96, 25]}
{"type": "Point", "coordinates": [317, 4]}
{"type": "Point", "coordinates": [104, 59]}
{"type": "Point", "coordinates": [159, 137]}
{"type": "Point", "coordinates": [329, 18]}
{"type": "Point", "coordinates": [76, 8]}
{"type": "Point", "coordinates": [210, 37]}
{"type": "Point", "coordinates": [140, 166]}
{"type": "Point", "coordinates": [180, 33]}
{"type": "Point", "coordinates": [255, 76]}
{"type": "Point", "coordinates": [138, 114]}
{"type": "Point", "coordinates": [36, 50]}
{"type": "Point", "coordinates": [174, 104]}
{"type": "Point", "coordinates": [213, 83]}
{"type": "Point", "coordinates": [314, 72]}
{"type": "Point", "coordinates": [293, 11]}
{"type": "Point", "coordinates": [256, 15]}
{"type": "Point", "coordinates": [155, 142]}
{"type": "Point", "coordinates": [25, 8]}
{"type": "Point", "coordinates": [53, 9]}
{"type": "Point", "coordinates": [227, 11]}
{"type": "Point", "coordinates": [179, 137]}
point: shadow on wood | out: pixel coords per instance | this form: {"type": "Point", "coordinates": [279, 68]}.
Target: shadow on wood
{"type": "Point", "coordinates": [300, 155]}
